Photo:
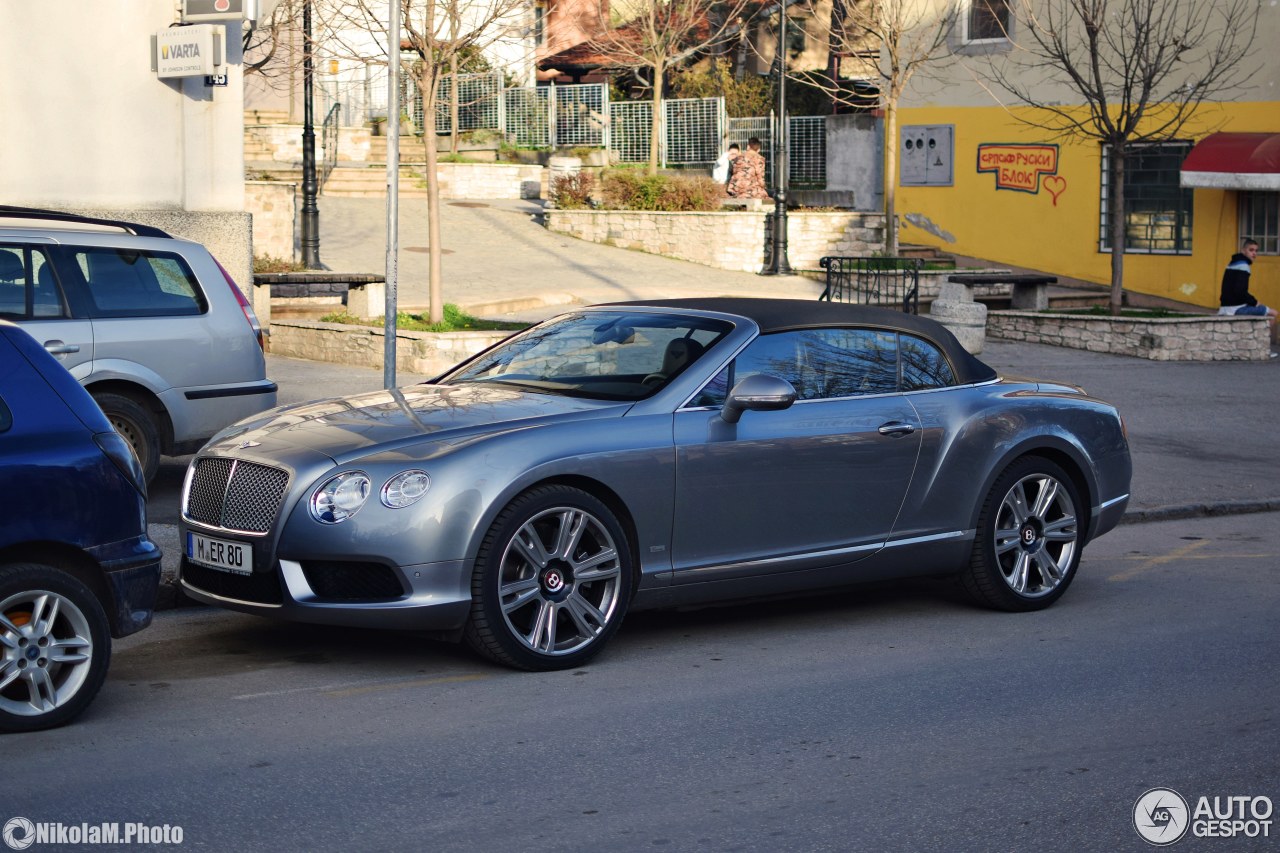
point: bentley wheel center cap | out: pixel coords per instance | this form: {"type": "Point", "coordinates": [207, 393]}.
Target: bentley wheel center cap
{"type": "Point", "coordinates": [553, 580]}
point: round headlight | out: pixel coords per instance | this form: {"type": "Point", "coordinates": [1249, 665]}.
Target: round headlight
{"type": "Point", "coordinates": [405, 488]}
{"type": "Point", "coordinates": [340, 497]}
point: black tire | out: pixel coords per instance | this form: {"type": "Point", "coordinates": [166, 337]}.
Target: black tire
{"type": "Point", "coordinates": [1029, 538]}
{"type": "Point", "coordinates": [52, 661]}
{"type": "Point", "coordinates": [136, 425]}
{"type": "Point", "coordinates": [553, 603]}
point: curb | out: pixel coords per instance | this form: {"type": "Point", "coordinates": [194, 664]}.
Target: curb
{"type": "Point", "coordinates": [1199, 510]}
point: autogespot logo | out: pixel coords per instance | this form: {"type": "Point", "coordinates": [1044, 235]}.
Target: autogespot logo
{"type": "Point", "coordinates": [19, 833]}
{"type": "Point", "coordinates": [1160, 816]}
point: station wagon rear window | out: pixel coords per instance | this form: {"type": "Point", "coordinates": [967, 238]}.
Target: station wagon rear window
{"type": "Point", "coordinates": [135, 283]}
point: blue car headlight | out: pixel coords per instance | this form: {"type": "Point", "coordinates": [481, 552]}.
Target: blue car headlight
{"type": "Point", "coordinates": [340, 497]}
{"type": "Point", "coordinates": [405, 489]}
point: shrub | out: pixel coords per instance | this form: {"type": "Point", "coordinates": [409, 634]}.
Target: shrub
{"type": "Point", "coordinates": [268, 263]}
{"type": "Point", "coordinates": [572, 192]}
{"type": "Point", "coordinates": [628, 189]}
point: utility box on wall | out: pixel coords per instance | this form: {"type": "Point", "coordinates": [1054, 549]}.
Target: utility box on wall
{"type": "Point", "coordinates": [927, 155]}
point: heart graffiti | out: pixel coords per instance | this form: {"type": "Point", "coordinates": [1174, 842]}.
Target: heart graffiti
{"type": "Point", "coordinates": [1055, 185]}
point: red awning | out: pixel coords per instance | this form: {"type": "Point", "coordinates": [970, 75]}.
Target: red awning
{"type": "Point", "coordinates": [1234, 161]}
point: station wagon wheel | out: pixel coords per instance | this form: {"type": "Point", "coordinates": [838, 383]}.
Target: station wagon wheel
{"type": "Point", "coordinates": [552, 581]}
{"type": "Point", "coordinates": [136, 426]}
{"type": "Point", "coordinates": [1029, 538]}
{"type": "Point", "coordinates": [54, 647]}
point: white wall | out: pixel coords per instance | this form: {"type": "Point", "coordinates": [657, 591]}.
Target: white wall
{"type": "Point", "coordinates": [88, 124]}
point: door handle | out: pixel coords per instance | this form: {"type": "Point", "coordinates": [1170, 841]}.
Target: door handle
{"type": "Point", "coordinates": [59, 348]}
{"type": "Point", "coordinates": [897, 428]}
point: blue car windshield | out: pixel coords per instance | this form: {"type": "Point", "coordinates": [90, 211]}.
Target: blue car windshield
{"type": "Point", "coordinates": [620, 355]}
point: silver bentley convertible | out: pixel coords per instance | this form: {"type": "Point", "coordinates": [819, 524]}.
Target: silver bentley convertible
{"type": "Point", "coordinates": [641, 455]}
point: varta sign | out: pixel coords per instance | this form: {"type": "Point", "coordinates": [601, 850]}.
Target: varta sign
{"type": "Point", "coordinates": [188, 51]}
{"type": "Point", "coordinates": [180, 51]}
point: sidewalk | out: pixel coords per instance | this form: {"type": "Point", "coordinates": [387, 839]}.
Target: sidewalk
{"type": "Point", "coordinates": [496, 257]}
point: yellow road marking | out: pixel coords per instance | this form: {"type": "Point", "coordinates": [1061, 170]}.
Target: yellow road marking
{"type": "Point", "coordinates": [397, 685]}
{"type": "Point", "coordinates": [1155, 562]}
{"type": "Point", "coordinates": [356, 688]}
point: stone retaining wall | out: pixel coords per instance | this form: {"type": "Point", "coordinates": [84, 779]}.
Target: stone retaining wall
{"type": "Point", "coordinates": [427, 353]}
{"type": "Point", "coordinates": [728, 240]}
{"type": "Point", "coordinates": [284, 141]}
{"type": "Point", "coordinates": [489, 180]}
{"type": "Point", "coordinates": [1207, 338]}
{"type": "Point", "coordinates": [275, 215]}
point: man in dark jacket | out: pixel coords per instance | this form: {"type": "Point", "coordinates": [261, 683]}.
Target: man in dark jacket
{"type": "Point", "coordinates": [1236, 298]}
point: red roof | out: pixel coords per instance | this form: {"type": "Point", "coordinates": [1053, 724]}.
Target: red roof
{"type": "Point", "coordinates": [1234, 161]}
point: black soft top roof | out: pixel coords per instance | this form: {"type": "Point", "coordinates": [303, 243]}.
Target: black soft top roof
{"type": "Point", "coordinates": [776, 315]}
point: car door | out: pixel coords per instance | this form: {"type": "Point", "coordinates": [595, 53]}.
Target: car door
{"type": "Point", "coordinates": [32, 295]}
{"type": "Point", "coordinates": [149, 314]}
{"type": "Point", "coordinates": [818, 484]}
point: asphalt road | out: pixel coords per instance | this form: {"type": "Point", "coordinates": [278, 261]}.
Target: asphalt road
{"type": "Point", "coordinates": [896, 718]}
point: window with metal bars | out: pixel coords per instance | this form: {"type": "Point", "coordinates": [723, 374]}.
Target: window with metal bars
{"type": "Point", "coordinates": [987, 20]}
{"type": "Point", "coordinates": [1157, 210]}
{"type": "Point", "coordinates": [1260, 220]}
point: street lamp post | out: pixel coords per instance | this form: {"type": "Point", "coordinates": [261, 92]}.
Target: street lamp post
{"type": "Point", "coordinates": [778, 263]}
{"type": "Point", "coordinates": [310, 213]}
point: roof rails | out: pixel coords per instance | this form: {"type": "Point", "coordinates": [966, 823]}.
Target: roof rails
{"type": "Point", "coordinates": [8, 211]}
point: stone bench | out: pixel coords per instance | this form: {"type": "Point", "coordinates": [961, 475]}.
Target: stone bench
{"type": "Point", "coordinates": [1030, 292]}
{"type": "Point", "coordinates": [365, 293]}
{"type": "Point", "coordinates": [956, 308]}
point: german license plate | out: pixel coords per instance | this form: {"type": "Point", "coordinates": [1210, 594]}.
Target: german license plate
{"type": "Point", "coordinates": [221, 554]}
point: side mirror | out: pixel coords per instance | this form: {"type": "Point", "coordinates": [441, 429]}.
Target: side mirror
{"type": "Point", "coordinates": [759, 393]}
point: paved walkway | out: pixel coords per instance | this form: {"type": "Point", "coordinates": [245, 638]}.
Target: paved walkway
{"type": "Point", "coordinates": [494, 252]}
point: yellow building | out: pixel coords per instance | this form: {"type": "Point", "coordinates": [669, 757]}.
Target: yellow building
{"type": "Point", "coordinates": [977, 181]}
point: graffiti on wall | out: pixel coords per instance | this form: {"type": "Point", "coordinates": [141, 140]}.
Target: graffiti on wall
{"type": "Point", "coordinates": [1020, 167]}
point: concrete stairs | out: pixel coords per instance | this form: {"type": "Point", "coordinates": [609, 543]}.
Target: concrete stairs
{"type": "Point", "coordinates": [266, 117]}
{"type": "Point", "coordinates": [371, 182]}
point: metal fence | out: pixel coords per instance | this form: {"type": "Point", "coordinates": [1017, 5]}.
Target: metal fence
{"type": "Point", "coordinates": [694, 131]}
{"type": "Point", "coordinates": [891, 282]}
{"type": "Point", "coordinates": [479, 102]}
{"type": "Point", "coordinates": [807, 151]}
{"type": "Point", "coordinates": [630, 126]}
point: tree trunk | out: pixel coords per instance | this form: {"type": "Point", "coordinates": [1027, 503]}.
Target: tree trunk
{"type": "Point", "coordinates": [435, 285]}
{"type": "Point", "coordinates": [453, 105]}
{"type": "Point", "coordinates": [1116, 225]}
{"type": "Point", "coordinates": [891, 178]}
{"type": "Point", "coordinates": [655, 129]}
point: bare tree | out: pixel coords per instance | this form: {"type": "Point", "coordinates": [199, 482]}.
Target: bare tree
{"type": "Point", "coordinates": [892, 41]}
{"type": "Point", "coordinates": [660, 34]}
{"type": "Point", "coordinates": [1136, 72]}
{"type": "Point", "coordinates": [436, 36]}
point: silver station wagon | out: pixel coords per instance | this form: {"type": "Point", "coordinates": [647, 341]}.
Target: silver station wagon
{"type": "Point", "coordinates": [150, 324]}
{"type": "Point", "coordinates": [634, 455]}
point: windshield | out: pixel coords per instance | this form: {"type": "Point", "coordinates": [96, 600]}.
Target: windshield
{"type": "Point", "coordinates": [605, 355]}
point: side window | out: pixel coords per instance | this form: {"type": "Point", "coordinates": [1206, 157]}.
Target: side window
{"type": "Point", "coordinates": [28, 287]}
{"type": "Point", "coordinates": [820, 363]}
{"type": "Point", "coordinates": [132, 283]}
{"type": "Point", "coordinates": [849, 363]}
{"type": "Point", "coordinates": [924, 366]}
{"type": "Point", "coordinates": [13, 282]}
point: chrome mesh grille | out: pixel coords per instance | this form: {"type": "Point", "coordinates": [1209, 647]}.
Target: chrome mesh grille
{"type": "Point", "coordinates": [236, 495]}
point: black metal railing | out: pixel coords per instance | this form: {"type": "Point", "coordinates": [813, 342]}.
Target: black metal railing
{"type": "Point", "coordinates": [329, 138]}
{"type": "Point", "coordinates": [873, 281]}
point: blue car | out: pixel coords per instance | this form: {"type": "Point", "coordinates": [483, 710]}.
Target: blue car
{"type": "Point", "coordinates": [76, 565]}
